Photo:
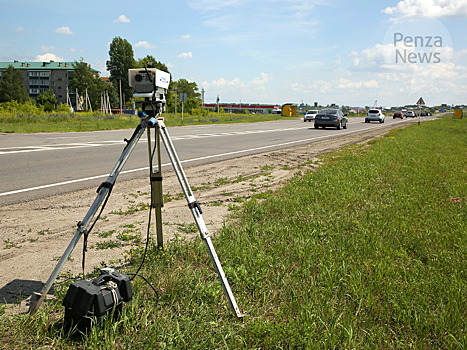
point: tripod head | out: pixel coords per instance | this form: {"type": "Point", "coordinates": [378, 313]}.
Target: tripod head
{"type": "Point", "coordinates": [151, 120]}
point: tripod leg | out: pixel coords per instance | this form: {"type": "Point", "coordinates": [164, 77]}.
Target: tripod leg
{"type": "Point", "coordinates": [157, 198]}
{"type": "Point", "coordinates": [38, 298]}
{"type": "Point", "coordinates": [197, 215]}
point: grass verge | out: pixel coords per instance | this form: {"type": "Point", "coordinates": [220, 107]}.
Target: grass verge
{"type": "Point", "coordinates": [65, 122]}
{"type": "Point", "coordinates": [367, 252]}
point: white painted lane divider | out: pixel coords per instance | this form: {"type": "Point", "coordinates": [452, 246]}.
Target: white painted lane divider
{"type": "Point", "coordinates": [27, 149]}
{"type": "Point", "coordinates": [190, 160]}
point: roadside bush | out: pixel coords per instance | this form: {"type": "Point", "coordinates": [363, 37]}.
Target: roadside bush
{"type": "Point", "coordinates": [29, 108]}
{"type": "Point", "coordinates": [200, 111]}
{"type": "Point", "coordinates": [14, 108]}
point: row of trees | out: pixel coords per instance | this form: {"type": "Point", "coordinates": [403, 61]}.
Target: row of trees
{"type": "Point", "coordinates": [85, 80]}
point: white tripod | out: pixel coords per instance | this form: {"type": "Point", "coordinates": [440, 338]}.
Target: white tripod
{"type": "Point", "coordinates": [156, 204]}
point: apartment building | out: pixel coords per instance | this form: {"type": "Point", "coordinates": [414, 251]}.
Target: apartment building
{"type": "Point", "coordinates": [41, 76]}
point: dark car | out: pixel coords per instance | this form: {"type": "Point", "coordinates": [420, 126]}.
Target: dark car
{"type": "Point", "coordinates": [398, 114]}
{"type": "Point", "coordinates": [331, 117]}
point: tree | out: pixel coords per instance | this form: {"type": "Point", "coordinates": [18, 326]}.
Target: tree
{"type": "Point", "coordinates": [121, 59]}
{"type": "Point", "coordinates": [48, 100]}
{"type": "Point", "coordinates": [85, 79]}
{"type": "Point", "coordinates": [10, 86]}
{"type": "Point", "coordinates": [193, 96]}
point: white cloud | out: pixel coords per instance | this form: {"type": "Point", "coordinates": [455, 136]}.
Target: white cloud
{"type": "Point", "coordinates": [48, 57]}
{"type": "Point", "coordinates": [356, 85]}
{"type": "Point", "coordinates": [185, 55]}
{"type": "Point", "coordinates": [373, 57]}
{"type": "Point", "coordinates": [122, 19]}
{"type": "Point", "coordinates": [145, 45]}
{"type": "Point", "coordinates": [186, 37]}
{"type": "Point", "coordinates": [335, 64]}
{"type": "Point", "coordinates": [329, 86]}
{"type": "Point", "coordinates": [429, 8]}
{"type": "Point", "coordinates": [262, 79]}
{"type": "Point", "coordinates": [64, 30]}
{"type": "Point", "coordinates": [19, 29]}
{"type": "Point", "coordinates": [76, 50]}
{"type": "Point", "coordinates": [169, 65]}
{"type": "Point", "coordinates": [221, 83]}
{"type": "Point", "coordinates": [229, 22]}
{"type": "Point", "coordinates": [400, 57]}
{"type": "Point", "coordinates": [253, 87]}
{"type": "Point", "coordinates": [48, 48]}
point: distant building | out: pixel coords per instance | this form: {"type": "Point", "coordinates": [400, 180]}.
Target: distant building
{"type": "Point", "coordinates": [39, 77]}
{"type": "Point", "coordinates": [241, 108]}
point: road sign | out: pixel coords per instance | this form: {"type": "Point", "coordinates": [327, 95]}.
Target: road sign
{"type": "Point", "coordinates": [420, 102]}
{"type": "Point", "coordinates": [183, 97]}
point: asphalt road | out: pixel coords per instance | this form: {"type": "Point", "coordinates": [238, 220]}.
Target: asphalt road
{"type": "Point", "coordinates": [40, 165]}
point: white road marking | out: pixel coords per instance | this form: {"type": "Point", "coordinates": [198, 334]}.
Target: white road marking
{"type": "Point", "coordinates": [27, 149]}
{"type": "Point", "coordinates": [188, 160]}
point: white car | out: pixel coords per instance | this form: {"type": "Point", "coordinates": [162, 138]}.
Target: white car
{"type": "Point", "coordinates": [310, 115]}
{"type": "Point", "coordinates": [374, 115]}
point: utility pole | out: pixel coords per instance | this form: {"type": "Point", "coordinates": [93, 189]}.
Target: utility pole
{"type": "Point", "coordinates": [120, 84]}
{"type": "Point", "coordinates": [175, 87]}
{"type": "Point", "coordinates": [202, 92]}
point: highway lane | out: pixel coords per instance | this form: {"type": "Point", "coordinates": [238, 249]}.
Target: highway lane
{"type": "Point", "coordinates": [40, 165]}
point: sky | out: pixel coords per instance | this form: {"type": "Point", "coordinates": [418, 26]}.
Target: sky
{"type": "Point", "coordinates": [353, 53]}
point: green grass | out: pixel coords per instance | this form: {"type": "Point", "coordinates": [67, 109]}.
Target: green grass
{"type": "Point", "coordinates": [66, 122]}
{"type": "Point", "coordinates": [367, 252]}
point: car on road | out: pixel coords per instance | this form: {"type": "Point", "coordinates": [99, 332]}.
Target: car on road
{"type": "Point", "coordinates": [410, 114]}
{"type": "Point", "coordinates": [374, 115]}
{"type": "Point", "coordinates": [398, 114]}
{"type": "Point", "coordinates": [310, 115]}
{"type": "Point", "coordinates": [331, 117]}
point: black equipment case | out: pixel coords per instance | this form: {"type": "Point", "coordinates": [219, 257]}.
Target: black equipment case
{"type": "Point", "coordinates": [87, 303]}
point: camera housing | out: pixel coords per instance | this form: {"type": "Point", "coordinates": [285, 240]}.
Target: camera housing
{"type": "Point", "coordinates": [150, 85]}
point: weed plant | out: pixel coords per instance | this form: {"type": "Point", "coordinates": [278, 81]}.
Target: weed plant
{"type": "Point", "coordinates": [367, 252]}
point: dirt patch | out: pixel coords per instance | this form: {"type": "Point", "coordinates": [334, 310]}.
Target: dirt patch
{"type": "Point", "coordinates": [35, 234]}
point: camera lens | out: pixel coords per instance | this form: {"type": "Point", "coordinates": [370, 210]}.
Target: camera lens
{"type": "Point", "coordinates": [138, 77]}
